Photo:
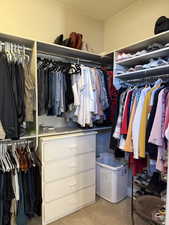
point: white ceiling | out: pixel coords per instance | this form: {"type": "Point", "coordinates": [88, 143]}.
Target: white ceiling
{"type": "Point", "coordinates": [98, 9]}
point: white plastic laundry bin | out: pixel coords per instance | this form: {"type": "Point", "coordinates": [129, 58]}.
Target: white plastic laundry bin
{"type": "Point", "coordinates": [111, 178]}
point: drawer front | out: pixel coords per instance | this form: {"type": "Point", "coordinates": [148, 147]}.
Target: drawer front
{"type": "Point", "coordinates": [68, 204]}
{"type": "Point", "coordinates": [69, 167]}
{"type": "Point", "coordinates": [68, 146]}
{"type": "Point", "coordinates": [58, 189]}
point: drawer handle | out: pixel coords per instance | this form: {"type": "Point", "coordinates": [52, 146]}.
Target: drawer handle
{"type": "Point", "coordinates": [73, 184]}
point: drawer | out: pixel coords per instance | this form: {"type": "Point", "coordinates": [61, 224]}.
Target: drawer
{"type": "Point", "coordinates": [64, 206]}
{"type": "Point", "coordinates": [67, 146]}
{"type": "Point", "coordinates": [69, 167]}
{"type": "Point", "coordinates": [60, 188]}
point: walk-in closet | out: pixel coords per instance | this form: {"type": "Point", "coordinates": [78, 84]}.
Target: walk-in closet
{"type": "Point", "coordinates": [84, 112]}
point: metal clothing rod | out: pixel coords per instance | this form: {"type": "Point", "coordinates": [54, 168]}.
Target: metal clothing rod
{"type": "Point", "coordinates": [23, 139]}
{"type": "Point", "coordinates": [18, 46]}
{"type": "Point", "coordinates": [20, 142]}
{"type": "Point", "coordinates": [149, 78]}
{"type": "Point", "coordinates": [56, 56]}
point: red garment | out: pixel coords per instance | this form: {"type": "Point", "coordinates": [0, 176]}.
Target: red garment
{"type": "Point", "coordinates": [137, 165]}
{"type": "Point", "coordinates": [125, 119]}
{"type": "Point", "coordinates": [113, 94]}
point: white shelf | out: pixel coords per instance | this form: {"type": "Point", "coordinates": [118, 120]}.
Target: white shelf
{"type": "Point", "coordinates": [160, 70]}
{"type": "Point", "coordinates": [163, 52]}
{"type": "Point", "coordinates": [71, 52]}
{"type": "Point", "coordinates": [62, 131]}
{"type": "Point", "coordinates": [16, 39]}
{"type": "Point", "coordinates": [162, 38]}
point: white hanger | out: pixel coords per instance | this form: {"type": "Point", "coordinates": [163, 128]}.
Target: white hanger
{"type": "Point", "coordinates": [158, 82]}
{"type": "Point", "coordinates": [6, 159]}
{"type": "Point", "coordinates": [1, 47]}
{"type": "Point", "coordinates": [2, 163]}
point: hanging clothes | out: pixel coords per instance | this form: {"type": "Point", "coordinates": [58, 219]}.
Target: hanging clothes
{"type": "Point", "coordinates": [17, 88]}
{"type": "Point", "coordinates": [8, 110]}
{"type": "Point", "coordinates": [141, 125]}
{"type": "Point", "coordinates": [20, 184]}
{"type": "Point", "coordinates": [77, 92]}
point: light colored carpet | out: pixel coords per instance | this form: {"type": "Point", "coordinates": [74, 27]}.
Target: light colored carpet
{"type": "Point", "coordinates": [100, 213]}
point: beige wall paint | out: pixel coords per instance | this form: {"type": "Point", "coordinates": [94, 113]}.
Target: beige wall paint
{"type": "Point", "coordinates": [133, 24]}
{"type": "Point", "coordinates": [45, 19]}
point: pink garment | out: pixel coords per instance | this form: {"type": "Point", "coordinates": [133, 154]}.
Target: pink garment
{"type": "Point", "coordinates": [156, 131]}
{"type": "Point", "coordinates": [166, 115]}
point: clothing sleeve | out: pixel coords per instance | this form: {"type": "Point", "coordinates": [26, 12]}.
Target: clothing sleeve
{"type": "Point", "coordinates": [129, 144]}
{"type": "Point", "coordinates": [124, 126]}
{"type": "Point", "coordinates": [143, 125]}
{"type": "Point", "coordinates": [155, 135]}
{"type": "Point", "coordinates": [137, 122]}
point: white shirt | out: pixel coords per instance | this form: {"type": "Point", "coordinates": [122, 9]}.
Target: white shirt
{"type": "Point", "coordinates": [137, 122]}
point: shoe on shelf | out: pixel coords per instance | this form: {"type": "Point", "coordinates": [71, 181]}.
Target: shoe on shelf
{"type": "Point", "coordinates": [122, 56]}
{"type": "Point", "coordinates": [66, 42]}
{"type": "Point", "coordinates": [59, 40]}
{"type": "Point", "coordinates": [85, 46]}
{"type": "Point", "coordinates": [161, 62]}
{"type": "Point", "coordinates": [139, 53]}
{"type": "Point", "coordinates": [154, 47]}
{"type": "Point", "coordinates": [73, 40]}
{"type": "Point", "coordinates": [79, 41]}
{"type": "Point", "coordinates": [139, 67]}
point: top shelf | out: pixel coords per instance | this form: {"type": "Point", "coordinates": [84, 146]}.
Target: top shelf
{"type": "Point", "coordinates": [19, 40]}
{"type": "Point", "coordinates": [71, 52]}
{"type": "Point", "coordinates": [162, 38]}
{"type": "Point", "coordinates": [57, 49]}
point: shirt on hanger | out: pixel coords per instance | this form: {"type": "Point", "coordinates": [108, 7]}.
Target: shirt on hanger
{"type": "Point", "coordinates": [137, 122]}
{"type": "Point", "coordinates": [143, 125]}
{"type": "Point", "coordinates": [129, 143]}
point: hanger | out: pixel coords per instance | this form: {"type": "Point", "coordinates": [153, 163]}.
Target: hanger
{"type": "Point", "coordinates": [7, 51]}
{"type": "Point", "coordinates": [5, 158]}
{"type": "Point", "coordinates": [1, 156]}
{"type": "Point", "coordinates": [30, 155]}
{"type": "Point", "coordinates": [14, 152]}
{"type": "Point", "coordinates": [8, 159]}
{"type": "Point", "coordinates": [1, 47]}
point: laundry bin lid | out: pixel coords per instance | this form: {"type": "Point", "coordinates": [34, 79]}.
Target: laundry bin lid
{"type": "Point", "coordinates": [108, 160]}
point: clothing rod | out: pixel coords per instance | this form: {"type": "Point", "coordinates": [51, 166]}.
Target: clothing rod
{"type": "Point", "coordinates": [148, 78]}
{"type": "Point", "coordinates": [20, 47]}
{"type": "Point", "coordinates": [21, 142]}
{"type": "Point", "coordinates": [22, 139]}
{"type": "Point", "coordinates": [44, 54]}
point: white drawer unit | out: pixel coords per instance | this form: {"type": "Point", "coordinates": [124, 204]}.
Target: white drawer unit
{"type": "Point", "coordinates": [68, 174]}
{"type": "Point", "coordinates": [67, 167]}
{"type": "Point", "coordinates": [69, 185]}
{"type": "Point", "coordinates": [69, 204]}
{"type": "Point", "coordinates": [66, 146]}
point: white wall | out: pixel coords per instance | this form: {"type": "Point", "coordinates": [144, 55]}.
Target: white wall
{"type": "Point", "coordinates": [45, 19]}
{"type": "Point", "coordinates": [134, 23]}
